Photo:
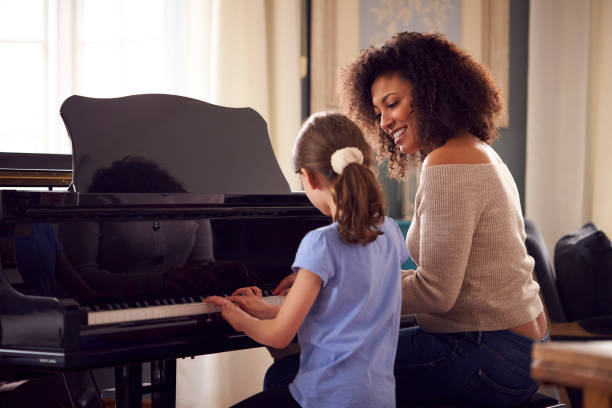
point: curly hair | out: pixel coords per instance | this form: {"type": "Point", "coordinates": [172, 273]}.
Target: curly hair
{"type": "Point", "coordinates": [134, 174]}
{"type": "Point", "coordinates": [450, 92]}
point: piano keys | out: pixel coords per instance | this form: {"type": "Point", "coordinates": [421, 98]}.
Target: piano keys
{"type": "Point", "coordinates": [123, 313]}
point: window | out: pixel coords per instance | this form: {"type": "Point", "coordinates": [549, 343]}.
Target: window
{"type": "Point", "coordinates": [51, 49]}
{"type": "Point", "coordinates": [24, 52]}
{"type": "Point", "coordinates": [120, 47]}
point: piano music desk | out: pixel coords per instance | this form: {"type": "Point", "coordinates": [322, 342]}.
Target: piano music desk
{"type": "Point", "coordinates": [586, 365]}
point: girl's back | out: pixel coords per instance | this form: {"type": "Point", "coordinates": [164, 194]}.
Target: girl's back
{"type": "Point", "coordinates": [349, 337]}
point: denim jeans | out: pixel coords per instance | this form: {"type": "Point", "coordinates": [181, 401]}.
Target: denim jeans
{"type": "Point", "coordinates": [473, 368]}
{"type": "Point", "coordinates": [282, 372]}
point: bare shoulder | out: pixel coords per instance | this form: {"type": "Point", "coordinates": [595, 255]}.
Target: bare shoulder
{"type": "Point", "coordinates": [461, 150]}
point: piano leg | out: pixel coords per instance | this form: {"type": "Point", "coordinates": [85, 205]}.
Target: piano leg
{"type": "Point", "coordinates": [69, 391]}
{"type": "Point", "coordinates": [129, 389]}
{"type": "Point", "coordinates": [82, 389]}
{"type": "Point", "coordinates": [128, 386]}
{"type": "Point", "coordinates": [163, 384]}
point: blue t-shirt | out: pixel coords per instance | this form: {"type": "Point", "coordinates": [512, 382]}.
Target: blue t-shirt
{"type": "Point", "coordinates": [349, 337]}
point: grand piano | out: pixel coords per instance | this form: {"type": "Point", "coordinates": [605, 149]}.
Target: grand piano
{"type": "Point", "coordinates": [172, 200]}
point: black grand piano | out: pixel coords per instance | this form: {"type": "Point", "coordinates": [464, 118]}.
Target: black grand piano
{"type": "Point", "coordinates": [172, 200]}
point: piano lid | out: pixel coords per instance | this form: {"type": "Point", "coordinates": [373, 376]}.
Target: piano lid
{"type": "Point", "coordinates": [206, 148]}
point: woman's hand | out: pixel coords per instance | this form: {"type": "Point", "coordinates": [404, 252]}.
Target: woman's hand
{"type": "Point", "coordinates": [283, 287]}
{"type": "Point", "coordinates": [235, 316]}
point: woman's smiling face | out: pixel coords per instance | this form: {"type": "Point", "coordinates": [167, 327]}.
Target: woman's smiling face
{"type": "Point", "coordinates": [392, 100]}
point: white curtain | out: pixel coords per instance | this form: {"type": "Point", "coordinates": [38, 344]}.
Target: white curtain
{"type": "Point", "coordinates": [250, 50]}
{"type": "Point", "coordinates": [569, 116]}
{"type": "Point", "coordinates": [599, 191]}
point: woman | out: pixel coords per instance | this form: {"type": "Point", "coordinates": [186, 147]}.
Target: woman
{"type": "Point", "coordinates": [421, 100]}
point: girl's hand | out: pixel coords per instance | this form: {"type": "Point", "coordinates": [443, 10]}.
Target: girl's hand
{"type": "Point", "coordinates": [235, 316]}
{"type": "Point", "coordinates": [248, 291]}
{"type": "Point", "coordinates": [255, 306]}
{"type": "Point", "coordinates": [283, 287]}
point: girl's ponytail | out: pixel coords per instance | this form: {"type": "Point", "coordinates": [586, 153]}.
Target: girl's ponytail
{"type": "Point", "coordinates": [334, 146]}
{"type": "Point", "coordinates": [360, 204]}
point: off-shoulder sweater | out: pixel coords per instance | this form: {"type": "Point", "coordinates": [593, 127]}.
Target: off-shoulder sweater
{"type": "Point", "coordinates": [467, 239]}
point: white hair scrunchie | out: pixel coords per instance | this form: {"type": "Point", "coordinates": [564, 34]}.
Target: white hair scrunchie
{"type": "Point", "coordinates": [345, 156]}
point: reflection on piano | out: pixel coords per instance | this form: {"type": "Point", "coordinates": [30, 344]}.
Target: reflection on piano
{"type": "Point", "coordinates": [125, 284]}
{"type": "Point", "coordinates": [62, 333]}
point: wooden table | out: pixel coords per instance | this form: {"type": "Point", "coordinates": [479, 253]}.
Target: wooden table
{"type": "Point", "coordinates": [586, 365]}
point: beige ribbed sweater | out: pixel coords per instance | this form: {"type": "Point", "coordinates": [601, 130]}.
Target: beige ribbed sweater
{"type": "Point", "coordinates": [467, 239]}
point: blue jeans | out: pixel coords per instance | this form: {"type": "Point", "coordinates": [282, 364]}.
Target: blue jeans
{"type": "Point", "coordinates": [282, 372]}
{"type": "Point", "coordinates": [473, 368]}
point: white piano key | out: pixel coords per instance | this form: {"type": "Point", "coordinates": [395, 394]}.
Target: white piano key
{"type": "Point", "coordinates": [159, 312]}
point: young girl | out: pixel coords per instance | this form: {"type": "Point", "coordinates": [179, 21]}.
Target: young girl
{"type": "Point", "coordinates": [345, 301]}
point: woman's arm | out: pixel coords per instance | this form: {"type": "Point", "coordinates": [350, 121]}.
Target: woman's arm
{"type": "Point", "coordinates": [448, 208]}
{"type": "Point", "coordinates": [279, 331]}
{"type": "Point", "coordinates": [82, 241]}
{"type": "Point", "coordinates": [284, 285]}
{"type": "Point", "coordinates": [71, 281]}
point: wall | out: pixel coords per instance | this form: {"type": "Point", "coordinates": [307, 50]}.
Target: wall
{"type": "Point", "coordinates": [511, 145]}
{"type": "Point", "coordinates": [599, 187]}
{"type": "Point", "coordinates": [570, 57]}
{"type": "Point", "coordinates": [220, 380]}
